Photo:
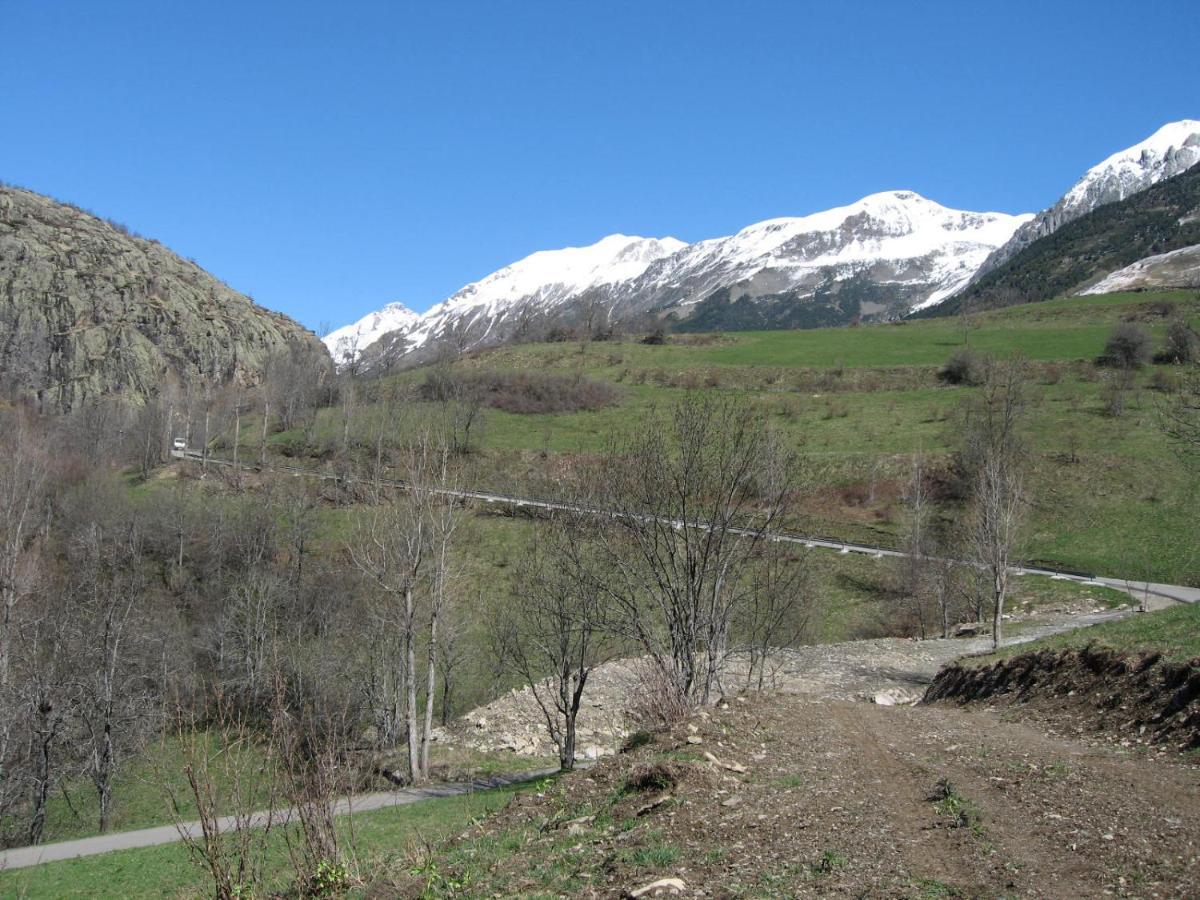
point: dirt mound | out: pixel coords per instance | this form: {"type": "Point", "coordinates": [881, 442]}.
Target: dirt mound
{"type": "Point", "coordinates": [786, 795]}
{"type": "Point", "coordinates": [1138, 696]}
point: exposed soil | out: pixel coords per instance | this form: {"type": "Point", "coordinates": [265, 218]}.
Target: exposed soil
{"type": "Point", "coordinates": [785, 795]}
{"type": "Point", "coordinates": [1137, 699]}
{"type": "Point", "coordinates": [900, 668]}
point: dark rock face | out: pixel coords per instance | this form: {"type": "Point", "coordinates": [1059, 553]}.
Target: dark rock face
{"type": "Point", "coordinates": [88, 310]}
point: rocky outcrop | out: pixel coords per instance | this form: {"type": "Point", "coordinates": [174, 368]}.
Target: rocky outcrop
{"type": "Point", "coordinates": [89, 310]}
{"type": "Point", "coordinates": [1177, 269]}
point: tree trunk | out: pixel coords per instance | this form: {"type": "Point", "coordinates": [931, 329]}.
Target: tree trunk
{"type": "Point", "coordinates": [430, 692]}
{"type": "Point", "coordinates": [410, 706]}
{"type": "Point", "coordinates": [262, 444]}
{"type": "Point", "coordinates": [566, 747]}
{"type": "Point", "coordinates": [998, 607]}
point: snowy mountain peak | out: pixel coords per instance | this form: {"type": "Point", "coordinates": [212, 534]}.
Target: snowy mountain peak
{"type": "Point", "coordinates": [348, 342]}
{"type": "Point", "coordinates": [550, 273]}
{"type": "Point", "coordinates": [1169, 151]}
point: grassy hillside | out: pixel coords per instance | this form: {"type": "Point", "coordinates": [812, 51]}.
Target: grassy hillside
{"type": "Point", "coordinates": [1111, 495]}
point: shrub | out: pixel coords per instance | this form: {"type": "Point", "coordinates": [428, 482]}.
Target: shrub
{"type": "Point", "coordinates": [1165, 381]}
{"type": "Point", "coordinates": [1179, 345]}
{"type": "Point", "coordinates": [963, 367]}
{"type": "Point", "coordinates": [1115, 392]}
{"type": "Point", "coordinates": [655, 338]}
{"type": "Point", "coordinates": [1128, 347]}
{"type": "Point", "coordinates": [520, 392]}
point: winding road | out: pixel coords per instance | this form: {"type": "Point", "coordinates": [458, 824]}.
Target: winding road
{"type": "Point", "coordinates": [1155, 594]}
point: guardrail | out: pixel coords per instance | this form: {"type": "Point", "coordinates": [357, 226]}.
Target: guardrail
{"type": "Point", "coordinates": [1177, 593]}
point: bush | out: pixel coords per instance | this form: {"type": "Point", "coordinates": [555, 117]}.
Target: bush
{"type": "Point", "coordinates": [520, 392]}
{"type": "Point", "coordinates": [655, 338]}
{"type": "Point", "coordinates": [1115, 392]}
{"type": "Point", "coordinates": [1179, 347]}
{"type": "Point", "coordinates": [1128, 347]}
{"type": "Point", "coordinates": [963, 367]}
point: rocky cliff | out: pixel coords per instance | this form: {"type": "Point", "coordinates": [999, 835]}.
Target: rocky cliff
{"type": "Point", "coordinates": [88, 309]}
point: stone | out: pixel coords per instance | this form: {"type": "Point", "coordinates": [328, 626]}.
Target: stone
{"type": "Point", "coordinates": [660, 888]}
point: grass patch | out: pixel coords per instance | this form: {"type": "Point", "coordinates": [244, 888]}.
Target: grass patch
{"type": "Point", "coordinates": [956, 809]}
{"type": "Point", "coordinates": [379, 839]}
{"type": "Point", "coordinates": [1174, 632]}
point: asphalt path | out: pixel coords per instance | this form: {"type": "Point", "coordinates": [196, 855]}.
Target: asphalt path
{"type": "Point", "coordinates": [21, 857]}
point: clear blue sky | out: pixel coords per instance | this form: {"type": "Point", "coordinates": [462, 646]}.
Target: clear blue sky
{"type": "Point", "coordinates": [331, 157]}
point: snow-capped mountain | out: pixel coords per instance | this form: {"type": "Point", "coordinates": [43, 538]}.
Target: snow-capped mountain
{"type": "Point", "coordinates": [885, 254]}
{"type": "Point", "coordinates": [1168, 152]}
{"type": "Point", "coordinates": [500, 304]}
{"type": "Point", "coordinates": [347, 343]}
{"type": "Point", "coordinates": [909, 251]}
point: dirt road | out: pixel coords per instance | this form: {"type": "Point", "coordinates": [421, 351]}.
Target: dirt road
{"type": "Point", "coordinates": [853, 799]}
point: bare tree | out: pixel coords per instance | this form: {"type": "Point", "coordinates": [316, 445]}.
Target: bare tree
{"type": "Point", "coordinates": [395, 546]}
{"type": "Point", "coordinates": [917, 535]}
{"type": "Point", "coordinates": [996, 459]}
{"type": "Point", "coordinates": [113, 703]}
{"type": "Point", "coordinates": [23, 473]}
{"type": "Point", "coordinates": [445, 517]}
{"type": "Point", "coordinates": [1180, 416]}
{"type": "Point", "coordinates": [776, 610]}
{"type": "Point", "coordinates": [230, 770]}
{"type": "Point", "coordinates": [550, 633]}
{"type": "Point", "coordinates": [692, 495]}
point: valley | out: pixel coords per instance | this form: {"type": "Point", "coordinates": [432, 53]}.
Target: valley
{"type": "Point", "coordinates": [854, 552]}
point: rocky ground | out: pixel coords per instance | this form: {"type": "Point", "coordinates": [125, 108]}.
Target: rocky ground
{"type": "Point", "coordinates": [887, 670]}
{"type": "Point", "coordinates": [785, 795]}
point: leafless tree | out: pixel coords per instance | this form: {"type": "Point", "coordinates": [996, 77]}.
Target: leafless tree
{"type": "Point", "coordinates": [692, 494]}
{"type": "Point", "coordinates": [996, 459]}
{"type": "Point", "coordinates": [776, 611]}
{"type": "Point", "coordinates": [403, 548]}
{"type": "Point", "coordinates": [445, 517]}
{"type": "Point", "coordinates": [23, 474]}
{"type": "Point", "coordinates": [914, 567]}
{"type": "Point", "coordinates": [550, 634]}
{"type": "Point", "coordinates": [113, 703]}
{"type": "Point", "coordinates": [1180, 416]}
{"type": "Point", "coordinates": [230, 771]}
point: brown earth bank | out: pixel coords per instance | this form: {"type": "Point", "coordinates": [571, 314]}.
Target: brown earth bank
{"type": "Point", "coordinates": [786, 795]}
{"type": "Point", "coordinates": [1134, 697]}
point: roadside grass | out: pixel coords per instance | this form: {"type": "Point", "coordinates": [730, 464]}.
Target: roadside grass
{"type": "Point", "coordinates": [1173, 632]}
{"type": "Point", "coordinates": [379, 839]}
{"type": "Point", "coordinates": [147, 781]}
{"type": "Point", "coordinates": [142, 791]}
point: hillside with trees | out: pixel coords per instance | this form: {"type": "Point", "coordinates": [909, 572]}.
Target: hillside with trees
{"type": "Point", "coordinates": [1160, 219]}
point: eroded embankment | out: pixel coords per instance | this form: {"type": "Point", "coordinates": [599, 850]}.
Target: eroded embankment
{"type": "Point", "coordinates": [1095, 688]}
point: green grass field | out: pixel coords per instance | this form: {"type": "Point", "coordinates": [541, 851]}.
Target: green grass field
{"type": "Point", "coordinates": [374, 840]}
{"type": "Point", "coordinates": [1111, 495]}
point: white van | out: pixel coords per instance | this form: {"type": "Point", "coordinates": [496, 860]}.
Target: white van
{"type": "Point", "coordinates": [179, 445]}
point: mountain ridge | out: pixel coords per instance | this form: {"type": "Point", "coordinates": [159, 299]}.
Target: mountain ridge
{"type": "Point", "coordinates": [925, 250]}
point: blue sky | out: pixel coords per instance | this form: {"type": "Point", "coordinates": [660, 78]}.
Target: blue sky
{"type": "Point", "coordinates": [331, 157]}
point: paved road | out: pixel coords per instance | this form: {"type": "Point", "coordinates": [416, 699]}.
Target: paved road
{"type": "Point", "coordinates": [20, 857]}
{"type": "Point", "coordinates": [1156, 595]}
